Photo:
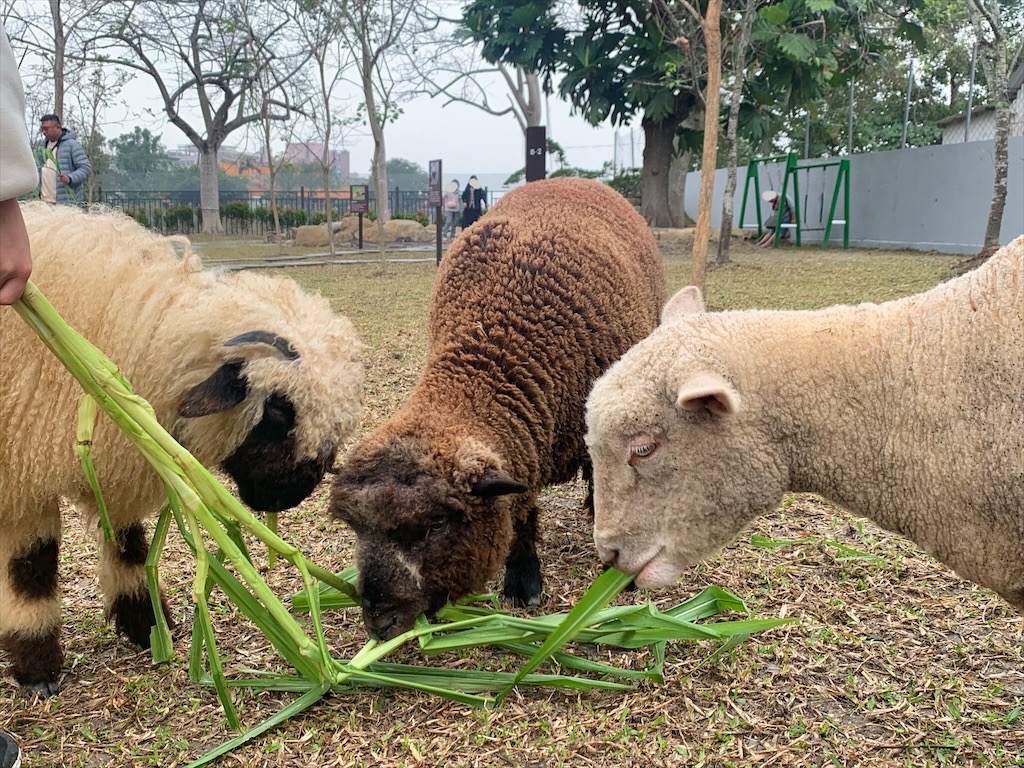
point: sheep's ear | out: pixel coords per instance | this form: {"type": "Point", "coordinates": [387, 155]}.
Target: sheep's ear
{"type": "Point", "coordinates": [687, 301]}
{"type": "Point", "coordinates": [225, 389]}
{"type": "Point", "coordinates": [708, 391]}
{"type": "Point", "coordinates": [495, 483]}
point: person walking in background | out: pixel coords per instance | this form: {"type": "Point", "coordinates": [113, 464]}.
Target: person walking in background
{"type": "Point", "coordinates": [451, 208]}
{"type": "Point", "coordinates": [474, 202]}
{"type": "Point", "coordinates": [63, 164]}
{"type": "Point", "coordinates": [17, 177]}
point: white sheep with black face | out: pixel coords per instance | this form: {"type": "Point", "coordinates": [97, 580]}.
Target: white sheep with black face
{"type": "Point", "coordinates": [910, 413]}
{"type": "Point", "coordinates": [247, 371]}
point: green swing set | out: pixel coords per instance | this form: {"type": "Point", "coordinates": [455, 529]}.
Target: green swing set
{"type": "Point", "coordinates": [793, 164]}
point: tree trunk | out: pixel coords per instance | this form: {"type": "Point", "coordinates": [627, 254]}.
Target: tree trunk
{"type": "Point", "coordinates": [739, 67]}
{"type": "Point", "coordinates": [272, 174]}
{"type": "Point", "coordinates": [991, 35]}
{"type": "Point", "coordinates": [379, 171]}
{"type": "Point", "coordinates": [533, 109]}
{"type": "Point", "coordinates": [1000, 155]}
{"type": "Point", "coordinates": [659, 140]}
{"type": "Point", "coordinates": [328, 207]}
{"type": "Point", "coordinates": [209, 191]}
{"type": "Point", "coordinates": [713, 44]}
{"type": "Point", "coordinates": [59, 44]}
{"type": "Point", "coordinates": [677, 187]}
{"type": "Point", "coordinates": [1001, 163]}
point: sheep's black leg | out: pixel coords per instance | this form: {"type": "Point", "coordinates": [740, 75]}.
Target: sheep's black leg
{"type": "Point", "coordinates": [123, 581]}
{"type": "Point", "coordinates": [30, 619]}
{"type": "Point", "coordinates": [587, 470]}
{"type": "Point", "coordinates": [523, 583]}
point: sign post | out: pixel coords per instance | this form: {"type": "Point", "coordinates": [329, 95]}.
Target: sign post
{"type": "Point", "coordinates": [536, 152]}
{"type": "Point", "coordinates": [434, 200]}
{"type": "Point", "coordinates": [359, 202]}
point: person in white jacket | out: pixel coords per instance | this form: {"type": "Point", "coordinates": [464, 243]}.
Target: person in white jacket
{"type": "Point", "coordinates": [17, 176]}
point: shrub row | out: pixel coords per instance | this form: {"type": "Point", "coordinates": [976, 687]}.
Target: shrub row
{"type": "Point", "coordinates": [185, 218]}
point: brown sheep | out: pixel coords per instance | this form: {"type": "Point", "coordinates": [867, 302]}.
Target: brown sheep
{"type": "Point", "coordinates": [530, 305]}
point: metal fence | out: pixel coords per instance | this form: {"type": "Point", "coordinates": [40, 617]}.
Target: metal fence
{"type": "Point", "coordinates": [249, 213]}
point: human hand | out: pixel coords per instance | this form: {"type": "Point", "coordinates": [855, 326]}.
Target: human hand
{"type": "Point", "coordinates": [65, 178]}
{"type": "Point", "coordinates": [15, 254]}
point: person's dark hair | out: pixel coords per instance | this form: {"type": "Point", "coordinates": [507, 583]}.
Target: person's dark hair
{"type": "Point", "coordinates": [50, 119]}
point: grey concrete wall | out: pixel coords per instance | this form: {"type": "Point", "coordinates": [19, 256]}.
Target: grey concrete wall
{"type": "Point", "coordinates": [932, 198]}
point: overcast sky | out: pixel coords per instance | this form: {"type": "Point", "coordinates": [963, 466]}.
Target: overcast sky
{"type": "Point", "coordinates": [465, 138]}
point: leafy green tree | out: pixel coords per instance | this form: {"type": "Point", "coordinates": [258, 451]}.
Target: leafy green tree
{"type": "Point", "coordinates": [206, 55]}
{"type": "Point", "coordinates": [94, 143]}
{"type": "Point", "coordinates": [622, 59]}
{"type": "Point", "coordinates": [405, 174]}
{"type": "Point", "coordinates": [139, 152]}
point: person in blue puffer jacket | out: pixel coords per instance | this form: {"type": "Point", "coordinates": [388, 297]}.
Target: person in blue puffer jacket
{"type": "Point", "coordinates": [63, 164]}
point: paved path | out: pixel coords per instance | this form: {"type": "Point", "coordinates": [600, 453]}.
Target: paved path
{"type": "Point", "coordinates": [320, 259]}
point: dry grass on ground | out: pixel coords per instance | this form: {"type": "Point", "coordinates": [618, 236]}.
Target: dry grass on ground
{"type": "Point", "coordinates": [895, 661]}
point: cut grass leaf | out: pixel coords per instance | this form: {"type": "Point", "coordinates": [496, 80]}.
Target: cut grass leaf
{"type": "Point", "coordinates": [844, 553]}
{"type": "Point", "coordinates": [605, 587]}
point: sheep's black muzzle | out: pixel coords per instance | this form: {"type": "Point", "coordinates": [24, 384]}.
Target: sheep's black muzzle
{"type": "Point", "coordinates": [390, 595]}
{"type": "Point", "coordinates": [268, 488]}
{"type": "Point", "coordinates": [268, 477]}
{"type": "Point", "coordinates": [386, 616]}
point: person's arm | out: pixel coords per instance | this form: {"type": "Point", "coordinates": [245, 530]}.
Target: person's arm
{"type": "Point", "coordinates": [15, 255]}
{"type": "Point", "coordinates": [17, 177]}
{"type": "Point", "coordinates": [82, 167]}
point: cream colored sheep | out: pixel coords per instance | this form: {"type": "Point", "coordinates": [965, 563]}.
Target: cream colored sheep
{"type": "Point", "coordinates": [245, 370]}
{"type": "Point", "coordinates": [910, 413]}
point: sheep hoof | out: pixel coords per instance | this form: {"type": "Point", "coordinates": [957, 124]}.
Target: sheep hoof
{"type": "Point", "coordinates": [523, 583]}
{"type": "Point", "coordinates": [133, 617]}
{"type": "Point", "coordinates": [44, 688]}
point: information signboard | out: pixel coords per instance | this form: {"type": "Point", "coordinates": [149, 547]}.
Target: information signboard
{"type": "Point", "coordinates": [359, 198]}
{"type": "Point", "coordinates": [434, 184]}
{"type": "Point", "coordinates": [536, 152]}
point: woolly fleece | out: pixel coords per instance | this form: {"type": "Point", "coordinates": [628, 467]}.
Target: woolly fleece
{"type": "Point", "coordinates": [530, 305]}
{"type": "Point", "coordinates": [164, 322]}
{"type": "Point", "coordinates": [910, 413]}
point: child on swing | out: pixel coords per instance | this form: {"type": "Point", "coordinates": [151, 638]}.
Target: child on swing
{"type": "Point", "coordinates": [775, 220]}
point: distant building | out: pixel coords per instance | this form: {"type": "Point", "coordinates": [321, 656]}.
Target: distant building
{"type": "Point", "coordinates": [301, 152]}
{"type": "Point", "coordinates": [184, 154]}
{"type": "Point", "coordinates": [983, 119]}
{"type": "Point", "coordinates": [187, 154]}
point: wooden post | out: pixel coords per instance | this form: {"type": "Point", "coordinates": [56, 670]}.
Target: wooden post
{"type": "Point", "coordinates": [713, 44]}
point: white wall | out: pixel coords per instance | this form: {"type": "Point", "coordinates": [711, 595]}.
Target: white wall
{"type": "Point", "coordinates": [931, 198]}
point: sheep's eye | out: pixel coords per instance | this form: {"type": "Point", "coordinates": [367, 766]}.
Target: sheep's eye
{"type": "Point", "coordinates": [641, 447]}
{"type": "Point", "coordinates": [438, 524]}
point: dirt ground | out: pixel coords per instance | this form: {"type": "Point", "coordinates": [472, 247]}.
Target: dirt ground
{"type": "Point", "coordinates": [894, 661]}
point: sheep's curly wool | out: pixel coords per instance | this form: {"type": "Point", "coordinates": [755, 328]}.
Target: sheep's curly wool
{"type": "Point", "coordinates": [910, 413]}
{"type": "Point", "coordinates": [529, 306]}
{"type": "Point", "coordinates": [165, 323]}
